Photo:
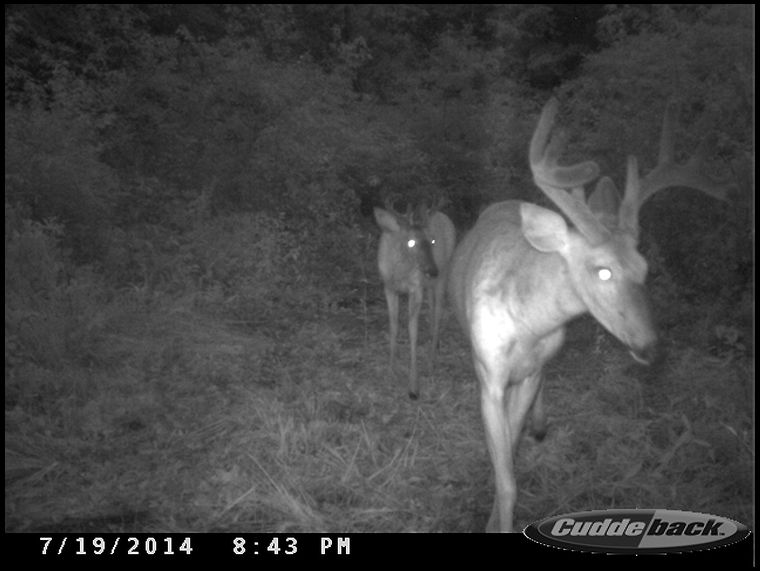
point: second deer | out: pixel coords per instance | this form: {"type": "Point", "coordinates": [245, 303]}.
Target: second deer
{"type": "Point", "coordinates": [414, 256]}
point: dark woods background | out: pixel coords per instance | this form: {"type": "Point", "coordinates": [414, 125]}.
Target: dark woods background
{"type": "Point", "coordinates": [145, 145]}
{"type": "Point", "coordinates": [223, 160]}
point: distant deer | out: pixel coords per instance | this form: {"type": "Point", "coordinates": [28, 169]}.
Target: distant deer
{"type": "Point", "coordinates": [413, 255]}
{"type": "Point", "coordinates": [442, 233]}
{"type": "Point", "coordinates": [522, 273]}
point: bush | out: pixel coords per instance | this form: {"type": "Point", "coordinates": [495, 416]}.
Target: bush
{"type": "Point", "coordinates": [249, 256]}
{"type": "Point", "coordinates": [52, 170]}
{"type": "Point", "coordinates": [52, 308]}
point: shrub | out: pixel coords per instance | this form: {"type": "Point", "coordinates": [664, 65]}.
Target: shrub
{"type": "Point", "coordinates": [52, 170]}
{"type": "Point", "coordinates": [52, 308]}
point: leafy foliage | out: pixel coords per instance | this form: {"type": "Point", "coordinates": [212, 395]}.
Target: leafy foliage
{"type": "Point", "coordinates": [53, 307]}
{"type": "Point", "coordinates": [703, 73]}
{"type": "Point", "coordinates": [53, 170]}
{"type": "Point", "coordinates": [144, 131]}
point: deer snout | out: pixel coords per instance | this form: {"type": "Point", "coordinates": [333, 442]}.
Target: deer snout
{"type": "Point", "coordinates": [640, 332]}
{"type": "Point", "coordinates": [646, 355]}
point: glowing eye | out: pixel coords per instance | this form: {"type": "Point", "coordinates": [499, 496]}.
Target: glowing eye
{"type": "Point", "coordinates": [604, 274]}
{"type": "Point", "coordinates": [411, 243]}
{"type": "Point", "coordinates": [432, 241]}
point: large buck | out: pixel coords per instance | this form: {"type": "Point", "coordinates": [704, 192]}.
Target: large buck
{"type": "Point", "coordinates": [414, 255]}
{"type": "Point", "coordinates": [522, 273]}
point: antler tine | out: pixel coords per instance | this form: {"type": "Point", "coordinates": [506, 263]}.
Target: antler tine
{"type": "Point", "coordinates": [541, 134]}
{"type": "Point", "coordinates": [579, 193]}
{"type": "Point", "coordinates": [409, 213]}
{"type": "Point", "coordinates": [628, 217]}
{"type": "Point", "coordinates": [388, 205]}
{"type": "Point", "coordinates": [439, 202]}
{"type": "Point", "coordinates": [423, 212]}
{"type": "Point", "coordinates": [668, 173]}
{"type": "Point", "coordinates": [403, 217]}
{"type": "Point", "coordinates": [604, 202]}
{"type": "Point", "coordinates": [554, 179]}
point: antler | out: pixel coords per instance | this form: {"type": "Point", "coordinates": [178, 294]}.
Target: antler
{"type": "Point", "coordinates": [389, 204]}
{"type": "Point", "coordinates": [439, 203]}
{"type": "Point", "coordinates": [424, 212]}
{"type": "Point", "coordinates": [604, 202]}
{"type": "Point", "coordinates": [666, 174]}
{"type": "Point", "coordinates": [555, 180]}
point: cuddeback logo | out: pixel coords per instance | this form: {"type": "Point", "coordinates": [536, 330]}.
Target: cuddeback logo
{"type": "Point", "coordinates": [617, 531]}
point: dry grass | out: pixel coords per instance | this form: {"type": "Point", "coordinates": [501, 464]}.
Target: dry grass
{"type": "Point", "coordinates": [292, 423]}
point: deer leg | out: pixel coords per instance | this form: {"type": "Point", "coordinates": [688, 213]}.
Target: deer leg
{"type": "Point", "coordinates": [392, 298]}
{"type": "Point", "coordinates": [430, 292]}
{"type": "Point", "coordinates": [415, 302]}
{"type": "Point", "coordinates": [520, 399]}
{"type": "Point", "coordinates": [504, 412]}
{"type": "Point", "coordinates": [436, 304]}
{"type": "Point", "coordinates": [539, 423]}
{"type": "Point", "coordinates": [499, 440]}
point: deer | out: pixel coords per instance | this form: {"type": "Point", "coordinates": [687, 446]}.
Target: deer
{"type": "Point", "coordinates": [442, 233]}
{"type": "Point", "coordinates": [522, 273]}
{"type": "Point", "coordinates": [414, 256]}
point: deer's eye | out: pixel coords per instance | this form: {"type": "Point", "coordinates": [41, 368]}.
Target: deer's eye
{"type": "Point", "coordinates": [604, 274]}
{"type": "Point", "coordinates": [411, 243]}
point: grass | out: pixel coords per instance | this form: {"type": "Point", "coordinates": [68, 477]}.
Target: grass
{"type": "Point", "coordinates": [289, 421]}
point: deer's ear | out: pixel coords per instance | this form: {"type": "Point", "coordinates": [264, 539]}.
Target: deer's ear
{"type": "Point", "coordinates": [544, 229]}
{"type": "Point", "coordinates": [386, 220]}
